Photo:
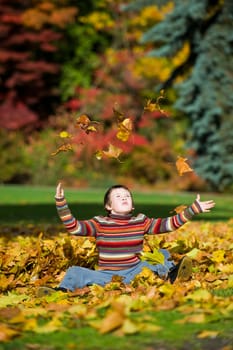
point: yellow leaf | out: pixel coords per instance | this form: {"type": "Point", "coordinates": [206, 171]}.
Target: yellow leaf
{"type": "Point", "coordinates": [200, 295]}
{"type": "Point", "coordinates": [112, 321]}
{"type": "Point", "coordinates": [99, 154]}
{"type": "Point", "coordinates": [167, 289]}
{"type": "Point", "coordinates": [194, 253]}
{"type": "Point", "coordinates": [151, 107]}
{"type": "Point", "coordinates": [124, 129]}
{"type": "Point", "coordinates": [218, 256]}
{"type": "Point", "coordinates": [180, 208]}
{"type": "Point", "coordinates": [130, 327]}
{"type": "Point", "coordinates": [54, 325]}
{"type": "Point", "coordinates": [12, 299]}
{"type": "Point", "coordinates": [195, 318]}
{"type": "Point", "coordinates": [112, 152]}
{"type": "Point", "coordinates": [7, 333]}
{"type": "Point", "coordinates": [156, 257]}
{"type": "Point", "coordinates": [64, 135]}
{"type": "Point", "coordinates": [207, 334]}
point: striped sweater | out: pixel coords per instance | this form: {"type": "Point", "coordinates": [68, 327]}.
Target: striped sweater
{"type": "Point", "coordinates": [119, 239]}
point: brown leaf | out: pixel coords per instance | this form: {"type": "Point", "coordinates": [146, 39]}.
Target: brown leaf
{"type": "Point", "coordinates": [63, 148]}
{"type": "Point", "coordinates": [85, 123]}
{"type": "Point", "coordinates": [182, 166]}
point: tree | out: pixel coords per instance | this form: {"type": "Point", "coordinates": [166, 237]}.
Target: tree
{"type": "Point", "coordinates": [29, 67]}
{"type": "Point", "coordinates": [204, 94]}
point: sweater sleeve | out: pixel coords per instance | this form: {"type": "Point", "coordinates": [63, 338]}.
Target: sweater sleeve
{"type": "Point", "coordinates": [74, 226]}
{"type": "Point", "coordinates": [172, 223]}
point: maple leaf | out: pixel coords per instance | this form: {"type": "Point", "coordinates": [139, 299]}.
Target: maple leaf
{"type": "Point", "coordinates": [182, 166]}
{"type": "Point", "coordinates": [112, 152]}
{"type": "Point", "coordinates": [156, 257]}
{"type": "Point", "coordinates": [85, 123]}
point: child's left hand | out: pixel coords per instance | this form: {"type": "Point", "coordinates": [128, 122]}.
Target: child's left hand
{"type": "Point", "coordinates": [206, 205]}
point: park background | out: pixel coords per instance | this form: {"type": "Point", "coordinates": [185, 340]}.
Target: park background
{"type": "Point", "coordinates": [155, 80]}
{"type": "Point", "coordinates": [62, 59]}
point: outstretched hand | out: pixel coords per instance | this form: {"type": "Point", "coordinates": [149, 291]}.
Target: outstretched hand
{"type": "Point", "coordinates": [206, 205]}
{"type": "Point", "coordinates": [59, 191]}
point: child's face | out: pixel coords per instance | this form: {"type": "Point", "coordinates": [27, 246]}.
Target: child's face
{"type": "Point", "coordinates": [120, 201]}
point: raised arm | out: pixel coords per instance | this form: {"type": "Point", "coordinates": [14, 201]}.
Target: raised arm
{"type": "Point", "coordinates": [74, 226]}
{"type": "Point", "coordinates": [206, 205]}
{"type": "Point", "coordinates": [172, 223]}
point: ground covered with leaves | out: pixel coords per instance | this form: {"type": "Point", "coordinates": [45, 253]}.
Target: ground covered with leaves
{"type": "Point", "coordinates": [199, 311]}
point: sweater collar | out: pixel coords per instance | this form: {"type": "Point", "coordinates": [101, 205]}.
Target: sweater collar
{"type": "Point", "coordinates": [120, 217]}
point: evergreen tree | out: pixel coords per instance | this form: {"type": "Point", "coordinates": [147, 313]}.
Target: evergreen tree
{"type": "Point", "coordinates": [205, 93]}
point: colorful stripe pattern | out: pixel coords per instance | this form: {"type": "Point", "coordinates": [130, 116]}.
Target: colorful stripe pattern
{"type": "Point", "coordinates": [119, 239]}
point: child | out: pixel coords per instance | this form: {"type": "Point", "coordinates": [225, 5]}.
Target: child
{"type": "Point", "coordinates": [119, 239]}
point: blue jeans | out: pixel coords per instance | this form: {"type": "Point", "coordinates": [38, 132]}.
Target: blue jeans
{"type": "Point", "coordinates": [79, 277]}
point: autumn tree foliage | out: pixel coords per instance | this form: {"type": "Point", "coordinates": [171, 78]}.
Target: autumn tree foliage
{"type": "Point", "coordinates": [29, 67]}
{"type": "Point", "coordinates": [204, 93]}
{"type": "Point", "coordinates": [122, 75]}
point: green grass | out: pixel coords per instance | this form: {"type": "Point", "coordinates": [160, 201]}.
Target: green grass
{"type": "Point", "coordinates": [171, 336]}
{"type": "Point", "coordinates": [21, 205]}
{"type": "Point", "coordinates": [28, 204]}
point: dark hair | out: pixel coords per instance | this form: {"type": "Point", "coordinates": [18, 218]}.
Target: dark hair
{"type": "Point", "coordinates": [108, 192]}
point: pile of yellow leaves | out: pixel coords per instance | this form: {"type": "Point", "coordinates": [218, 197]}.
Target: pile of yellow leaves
{"type": "Point", "coordinates": [28, 262]}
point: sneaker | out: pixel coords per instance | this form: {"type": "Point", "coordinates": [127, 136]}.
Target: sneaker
{"type": "Point", "coordinates": [44, 291]}
{"type": "Point", "coordinates": [182, 271]}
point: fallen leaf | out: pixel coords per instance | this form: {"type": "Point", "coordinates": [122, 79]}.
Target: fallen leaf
{"type": "Point", "coordinates": [208, 334]}
{"type": "Point", "coordinates": [113, 320]}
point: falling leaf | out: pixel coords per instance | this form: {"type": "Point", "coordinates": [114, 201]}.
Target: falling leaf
{"type": "Point", "coordinates": [182, 166]}
{"type": "Point", "coordinates": [63, 148]}
{"type": "Point", "coordinates": [161, 97]}
{"type": "Point", "coordinates": [124, 129]}
{"type": "Point", "coordinates": [83, 122]}
{"type": "Point", "coordinates": [153, 106]}
{"type": "Point", "coordinates": [112, 152]}
{"type": "Point", "coordinates": [99, 154]}
{"type": "Point", "coordinates": [179, 209]}
{"type": "Point", "coordinates": [117, 113]}
{"type": "Point", "coordinates": [150, 106]}
{"type": "Point", "coordinates": [65, 135]}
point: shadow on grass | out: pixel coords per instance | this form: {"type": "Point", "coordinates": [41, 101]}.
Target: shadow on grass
{"type": "Point", "coordinates": [47, 214]}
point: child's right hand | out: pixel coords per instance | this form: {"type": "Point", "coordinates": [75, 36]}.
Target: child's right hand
{"type": "Point", "coordinates": [59, 191]}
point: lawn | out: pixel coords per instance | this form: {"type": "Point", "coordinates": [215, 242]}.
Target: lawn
{"type": "Point", "coordinates": [150, 314]}
{"type": "Point", "coordinates": [36, 204]}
